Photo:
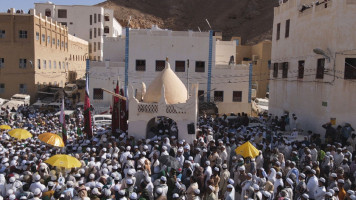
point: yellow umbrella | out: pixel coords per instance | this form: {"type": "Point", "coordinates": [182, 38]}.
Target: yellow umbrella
{"type": "Point", "coordinates": [52, 139]}
{"type": "Point", "coordinates": [247, 150]}
{"type": "Point", "coordinates": [20, 134]}
{"type": "Point", "coordinates": [5, 127]}
{"type": "Point", "coordinates": [61, 160]}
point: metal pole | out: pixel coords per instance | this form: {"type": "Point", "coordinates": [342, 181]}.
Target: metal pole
{"type": "Point", "coordinates": [188, 79]}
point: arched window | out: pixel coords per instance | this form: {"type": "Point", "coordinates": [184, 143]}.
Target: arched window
{"type": "Point", "coordinates": [48, 12]}
{"type": "Point", "coordinates": [106, 29]}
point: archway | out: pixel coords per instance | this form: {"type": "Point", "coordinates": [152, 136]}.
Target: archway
{"type": "Point", "coordinates": [161, 126]}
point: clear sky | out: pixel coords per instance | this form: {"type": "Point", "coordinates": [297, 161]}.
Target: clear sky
{"type": "Point", "coordinates": [25, 5]}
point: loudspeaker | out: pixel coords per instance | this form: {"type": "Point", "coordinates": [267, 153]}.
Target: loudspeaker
{"type": "Point", "coordinates": [191, 128]}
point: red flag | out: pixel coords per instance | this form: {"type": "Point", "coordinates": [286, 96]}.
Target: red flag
{"type": "Point", "coordinates": [87, 112]}
{"type": "Point", "coordinates": [123, 113]}
{"type": "Point", "coordinates": [115, 118]}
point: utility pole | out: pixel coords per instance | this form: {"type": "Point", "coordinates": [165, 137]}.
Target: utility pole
{"type": "Point", "coordinates": [188, 79]}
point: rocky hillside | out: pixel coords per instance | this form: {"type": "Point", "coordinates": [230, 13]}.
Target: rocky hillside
{"type": "Point", "coordinates": [250, 19]}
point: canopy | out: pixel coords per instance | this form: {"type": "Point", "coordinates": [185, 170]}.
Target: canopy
{"type": "Point", "coordinates": [52, 139]}
{"type": "Point", "coordinates": [20, 134]}
{"type": "Point", "coordinates": [5, 127]}
{"type": "Point", "coordinates": [66, 161]}
{"type": "Point", "coordinates": [247, 150]}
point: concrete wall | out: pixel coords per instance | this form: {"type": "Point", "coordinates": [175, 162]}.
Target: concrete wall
{"type": "Point", "coordinates": [152, 45]}
{"type": "Point", "coordinates": [68, 50]}
{"type": "Point", "coordinates": [325, 27]}
{"type": "Point", "coordinates": [78, 22]}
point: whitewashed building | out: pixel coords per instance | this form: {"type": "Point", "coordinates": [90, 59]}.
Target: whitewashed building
{"type": "Point", "coordinates": [314, 62]}
{"type": "Point", "coordinates": [195, 57]}
{"type": "Point", "coordinates": [91, 23]}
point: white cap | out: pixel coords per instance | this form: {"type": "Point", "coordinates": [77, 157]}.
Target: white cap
{"type": "Point", "coordinates": [159, 190]}
{"type": "Point", "coordinates": [37, 191]}
{"type": "Point", "coordinates": [305, 196]}
{"type": "Point", "coordinates": [211, 187]}
{"type": "Point", "coordinates": [133, 196]}
{"type": "Point", "coordinates": [256, 187]}
{"type": "Point", "coordinates": [322, 180]}
{"type": "Point", "coordinates": [334, 175]}
{"type": "Point", "coordinates": [129, 181]}
{"type": "Point", "coordinates": [289, 181]}
{"type": "Point", "coordinates": [37, 177]}
{"type": "Point", "coordinates": [175, 195]}
{"type": "Point", "coordinates": [197, 191]}
{"type": "Point", "coordinates": [163, 178]}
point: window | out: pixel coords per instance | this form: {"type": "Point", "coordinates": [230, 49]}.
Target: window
{"type": "Point", "coordinates": [285, 70]}
{"type": "Point", "coordinates": [199, 66]}
{"type": "Point", "coordinates": [59, 65]}
{"type": "Point", "coordinates": [237, 96]}
{"type": "Point", "coordinates": [44, 64]}
{"type": "Point", "coordinates": [99, 31]}
{"type": "Point", "coordinates": [53, 41]}
{"type": "Point", "coordinates": [278, 30]}
{"type": "Point", "coordinates": [2, 62]}
{"type": "Point", "coordinates": [2, 88]}
{"type": "Point", "coordinates": [90, 50]}
{"type": "Point", "coordinates": [43, 37]}
{"type": "Point", "coordinates": [301, 69]}
{"type": "Point", "coordinates": [94, 46]}
{"type": "Point", "coordinates": [107, 18]}
{"type": "Point", "coordinates": [22, 34]}
{"type": "Point", "coordinates": [37, 35]}
{"type": "Point", "coordinates": [180, 66]}
{"type": "Point", "coordinates": [54, 65]}
{"type": "Point", "coordinates": [350, 68]}
{"type": "Point", "coordinates": [48, 40]}
{"type": "Point", "coordinates": [98, 93]}
{"type": "Point", "coordinates": [2, 33]}
{"type": "Point", "coordinates": [218, 96]}
{"type": "Point", "coordinates": [62, 13]}
{"type": "Point", "coordinates": [106, 29]}
{"type": "Point", "coordinates": [99, 17]}
{"type": "Point", "coordinates": [62, 44]}
{"type": "Point", "coordinates": [320, 68]}
{"type": "Point", "coordinates": [160, 64]}
{"type": "Point", "coordinates": [140, 65]}
{"type": "Point", "coordinates": [22, 63]}
{"type": "Point", "coordinates": [23, 88]}
{"type": "Point", "coordinates": [94, 32]}
{"type": "Point", "coordinates": [90, 34]}
{"type": "Point", "coordinates": [48, 12]}
{"type": "Point", "coordinates": [287, 28]}
{"type": "Point", "coordinates": [63, 65]}
{"type": "Point", "coordinates": [49, 64]}
{"type": "Point", "coordinates": [94, 18]}
{"type": "Point", "coordinates": [38, 63]}
{"type": "Point", "coordinates": [58, 42]}
{"type": "Point", "coordinates": [91, 19]}
{"type": "Point", "coordinates": [99, 45]}
{"type": "Point", "coordinates": [201, 95]}
{"type": "Point", "coordinates": [275, 70]}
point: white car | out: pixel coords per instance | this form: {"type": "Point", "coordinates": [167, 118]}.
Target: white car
{"type": "Point", "coordinates": [260, 106]}
{"type": "Point", "coordinates": [100, 120]}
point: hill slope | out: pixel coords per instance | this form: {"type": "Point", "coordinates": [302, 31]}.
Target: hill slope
{"type": "Point", "coordinates": [250, 19]}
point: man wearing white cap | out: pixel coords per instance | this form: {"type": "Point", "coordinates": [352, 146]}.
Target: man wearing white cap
{"type": "Point", "coordinates": [224, 178]}
{"type": "Point", "coordinates": [320, 191]}
{"type": "Point", "coordinates": [278, 182]}
{"type": "Point", "coordinates": [229, 194]}
{"type": "Point", "coordinates": [289, 188]}
{"type": "Point", "coordinates": [333, 181]}
{"type": "Point", "coordinates": [256, 192]}
{"type": "Point", "coordinates": [246, 185]}
{"type": "Point", "coordinates": [211, 193]}
{"type": "Point", "coordinates": [37, 184]}
{"type": "Point", "coordinates": [312, 184]}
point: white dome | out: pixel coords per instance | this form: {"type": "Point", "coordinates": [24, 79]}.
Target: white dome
{"type": "Point", "coordinates": [175, 90]}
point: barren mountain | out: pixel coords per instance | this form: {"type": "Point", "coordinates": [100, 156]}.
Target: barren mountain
{"type": "Point", "coordinates": [250, 19]}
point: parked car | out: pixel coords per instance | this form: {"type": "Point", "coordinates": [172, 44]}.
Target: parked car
{"type": "Point", "coordinates": [25, 98]}
{"type": "Point", "coordinates": [71, 89]}
{"type": "Point", "coordinates": [102, 120]}
{"type": "Point", "coordinates": [260, 106]}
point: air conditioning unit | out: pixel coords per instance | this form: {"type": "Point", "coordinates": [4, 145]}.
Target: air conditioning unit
{"type": "Point", "coordinates": [254, 57]}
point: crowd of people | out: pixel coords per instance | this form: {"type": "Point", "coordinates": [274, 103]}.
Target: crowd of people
{"type": "Point", "coordinates": [117, 166]}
